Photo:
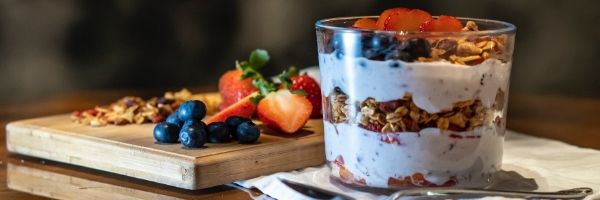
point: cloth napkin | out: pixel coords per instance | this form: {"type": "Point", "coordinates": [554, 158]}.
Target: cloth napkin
{"type": "Point", "coordinates": [529, 163]}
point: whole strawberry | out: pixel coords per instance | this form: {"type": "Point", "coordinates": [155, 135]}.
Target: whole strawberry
{"type": "Point", "coordinates": [312, 90]}
{"type": "Point", "coordinates": [236, 84]}
{"type": "Point", "coordinates": [233, 88]}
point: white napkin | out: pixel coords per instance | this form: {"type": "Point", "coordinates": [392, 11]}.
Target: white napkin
{"type": "Point", "coordinates": [529, 162]}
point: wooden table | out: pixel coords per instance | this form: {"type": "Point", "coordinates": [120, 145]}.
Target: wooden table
{"type": "Point", "coordinates": [573, 120]}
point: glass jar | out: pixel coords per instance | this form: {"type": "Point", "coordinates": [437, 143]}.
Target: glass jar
{"type": "Point", "coordinates": [414, 109]}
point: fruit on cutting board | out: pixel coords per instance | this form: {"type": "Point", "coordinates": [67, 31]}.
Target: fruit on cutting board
{"type": "Point", "coordinates": [166, 132]}
{"type": "Point", "coordinates": [284, 107]}
{"type": "Point", "coordinates": [174, 119]}
{"type": "Point", "coordinates": [284, 111]}
{"type": "Point", "coordinates": [247, 132]}
{"type": "Point", "coordinates": [236, 84]}
{"type": "Point", "coordinates": [218, 132]}
{"type": "Point", "coordinates": [234, 88]}
{"type": "Point", "coordinates": [233, 122]}
{"type": "Point", "coordinates": [243, 108]}
{"type": "Point", "coordinates": [193, 135]}
{"type": "Point", "coordinates": [191, 110]}
{"type": "Point", "coordinates": [312, 90]}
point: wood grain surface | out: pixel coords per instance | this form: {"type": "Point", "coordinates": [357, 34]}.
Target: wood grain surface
{"type": "Point", "coordinates": [131, 150]}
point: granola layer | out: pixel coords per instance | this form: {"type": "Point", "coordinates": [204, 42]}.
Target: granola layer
{"type": "Point", "coordinates": [403, 115]}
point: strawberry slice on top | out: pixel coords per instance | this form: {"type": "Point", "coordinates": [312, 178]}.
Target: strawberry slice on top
{"type": "Point", "coordinates": [442, 24]}
{"type": "Point", "coordinates": [406, 20]}
{"type": "Point", "coordinates": [365, 23]}
{"type": "Point", "coordinates": [386, 14]}
{"type": "Point", "coordinates": [284, 111]}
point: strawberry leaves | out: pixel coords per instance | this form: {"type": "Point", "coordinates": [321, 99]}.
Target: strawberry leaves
{"type": "Point", "coordinates": [258, 58]}
{"type": "Point", "coordinates": [286, 77]}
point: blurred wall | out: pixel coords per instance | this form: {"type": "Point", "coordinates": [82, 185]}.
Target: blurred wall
{"type": "Point", "coordinates": [55, 47]}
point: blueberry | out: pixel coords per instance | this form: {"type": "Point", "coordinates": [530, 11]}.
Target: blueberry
{"type": "Point", "coordinates": [189, 123]}
{"type": "Point", "coordinates": [218, 132]}
{"type": "Point", "coordinates": [247, 132]}
{"type": "Point", "coordinates": [418, 47]}
{"type": "Point", "coordinates": [174, 119]}
{"type": "Point", "coordinates": [377, 42]}
{"type": "Point", "coordinates": [408, 50]}
{"type": "Point", "coordinates": [165, 132]}
{"type": "Point", "coordinates": [399, 55]}
{"type": "Point", "coordinates": [191, 110]}
{"type": "Point", "coordinates": [232, 124]}
{"type": "Point", "coordinates": [193, 135]}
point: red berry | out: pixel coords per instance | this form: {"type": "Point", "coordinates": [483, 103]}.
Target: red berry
{"type": "Point", "coordinates": [365, 23]}
{"type": "Point", "coordinates": [243, 108]}
{"type": "Point", "coordinates": [313, 92]}
{"type": "Point", "coordinates": [442, 24]}
{"type": "Point", "coordinates": [233, 88]}
{"type": "Point", "coordinates": [386, 14]}
{"type": "Point", "coordinates": [284, 111]}
{"type": "Point", "coordinates": [406, 20]}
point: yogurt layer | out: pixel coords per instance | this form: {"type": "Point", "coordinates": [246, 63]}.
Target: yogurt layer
{"type": "Point", "coordinates": [471, 156]}
{"type": "Point", "coordinates": [434, 86]}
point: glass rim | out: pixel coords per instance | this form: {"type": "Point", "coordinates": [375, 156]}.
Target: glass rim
{"type": "Point", "coordinates": [507, 27]}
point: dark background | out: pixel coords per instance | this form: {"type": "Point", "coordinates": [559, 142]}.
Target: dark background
{"type": "Point", "coordinates": [58, 47]}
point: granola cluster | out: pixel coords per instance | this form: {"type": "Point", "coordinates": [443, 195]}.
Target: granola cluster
{"type": "Point", "coordinates": [135, 110]}
{"type": "Point", "coordinates": [403, 115]}
{"type": "Point", "coordinates": [470, 50]}
{"type": "Point", "coordinates": [338, 103]}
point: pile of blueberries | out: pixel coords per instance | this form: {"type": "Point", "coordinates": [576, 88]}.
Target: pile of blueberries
{"type": "Point", "coordinates": [185, 126]}
{"type": "Point", "coordinates": [378, 46]}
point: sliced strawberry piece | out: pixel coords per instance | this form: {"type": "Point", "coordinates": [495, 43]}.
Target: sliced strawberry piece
{"type": "Point", "coordinates": [365, 23]}
{"type": "Point", "coordinates": [313, 92]}
{"type": "Point", "coordinates": [284, 111]}
{"type": "Point", "coordinates": [406, 20]}
{"type": "Point", "coordinates": [386, 14]}
{"type": "Point", "coordinates": [442, 24]}
{"type": "Point", "coordinates": [242, 108]}
{"type": "Point", "coordinates": [233, 88]}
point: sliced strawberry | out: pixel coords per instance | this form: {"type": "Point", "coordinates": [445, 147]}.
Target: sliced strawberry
{"type": "Point", "coordinates": [406, 20]}
{"type": "Point", "coordinates": [386, 14]}
{"type": "Point", "coordinates": [242, 108]}
{"type": "Point", "coordinates": [233, 88]}
{"type": "Point", "coordinates": [442, 24]}
{"type": "Point", "coordinates": [365, 23]}
{"type": "Point", "coordinates": [313, 92]}
{"type": "Point", "coordinates": [284, 111]}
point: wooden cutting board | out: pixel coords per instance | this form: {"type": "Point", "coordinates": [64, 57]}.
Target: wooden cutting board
{"type": "Point", "coordinates": [130, 150]}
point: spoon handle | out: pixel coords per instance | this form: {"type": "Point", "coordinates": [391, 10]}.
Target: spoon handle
{"type": "Point", "coordinates": [575, 193]}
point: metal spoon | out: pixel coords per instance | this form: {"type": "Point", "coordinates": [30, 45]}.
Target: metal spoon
{"type": "Point", "coordinates": [318, 193]}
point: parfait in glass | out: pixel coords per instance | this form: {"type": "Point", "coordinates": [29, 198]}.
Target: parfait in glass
{"type": "Point", "coordinates": [414, 100]}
